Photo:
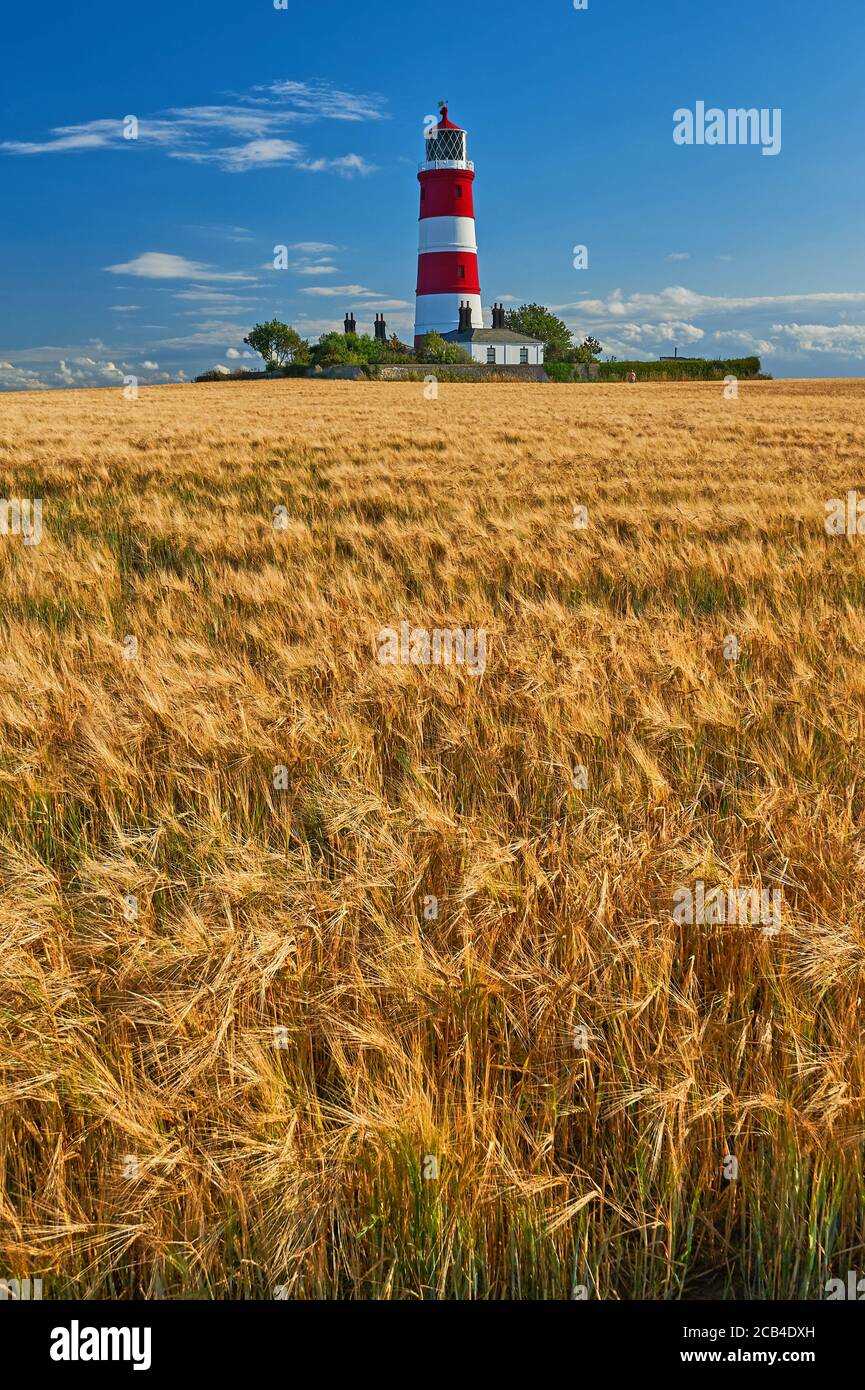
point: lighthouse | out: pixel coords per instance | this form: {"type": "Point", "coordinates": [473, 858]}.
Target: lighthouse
{"type": "Point", "coordinates": [448, 287]}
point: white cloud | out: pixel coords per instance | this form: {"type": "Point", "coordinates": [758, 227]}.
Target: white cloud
{"type": "Point", "coordinates": [625, 351]}
{"type": "Point", "coordinates": [348, 165]}
{"type": "Point", "coordinates": [124, 308]}
{"type": "Point", "coordinates": [245, 311]}
{"type": "Point", "coordinates": [237, 159]}
{"type": "Point", "coordinates": [150, 366]}
{"type": "Point", "coordinates": [339, 291]}
{"type": "Point", "coordinates": [93, 136]}
{"type": "Point", "coordinates": [103, 371]}
{"type": "Point", "coordinates": [316, 264]}
{"type": "Point", "coordinates": [677, 299]}
{"type": "Point", "coordinates": [746, 340]}
{"type": "Point", "coordinates": [221, 299]}
{"type": "Point", "coordinates": [221, 367]}
{"type": "Point", "coordinates": [232, 354]}
{"type": "Point", "coordinates": [80, 371]}
{"type": "Point", "coordinates": [20, 379]}
{"type": "Point", "coordinates": [668, 331]}
{"type": "Point", "coordinates": [371, 300]}
{"type": "Point", "coordinates": [845, 339]}
{"type": "Point", "coordinates": [676, 314]}
{"type": "Point", "coordinates": [161, 265]}
{"type": "Point", "coordinates": [312, 248]}
{"type": "Point", "coordinates": [318, 100]}
{"type": "Point", "coordinates": [52, 354]}
{"type": "Point", "coordinates": [210, 333]}
{"type": "Point", "coordinates": [679, 256]}
{"type": "Point", "coordinates": [234, 120]}
{"type": "Point", "coordinates": [228, 233]}
{"type": "Point", "coordinates": [257, 119]}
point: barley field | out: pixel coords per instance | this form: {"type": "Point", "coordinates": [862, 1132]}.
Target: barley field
{"type": "Point", "coordinates": [326, 978]}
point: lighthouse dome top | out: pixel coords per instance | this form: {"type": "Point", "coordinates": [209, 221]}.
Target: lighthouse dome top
{"type": "Point", "coordinates": [445, 123]}
{"type": "Point", "coordinates": [446, 144]}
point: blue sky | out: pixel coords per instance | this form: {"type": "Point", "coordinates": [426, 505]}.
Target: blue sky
{"type": "Point", "coordinates": [260, 127]}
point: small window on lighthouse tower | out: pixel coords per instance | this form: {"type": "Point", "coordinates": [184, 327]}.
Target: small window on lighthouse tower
{"type": "Point", "coordinates": [462, 272]}
{"type": "Point", "coordinates": [459, 190]}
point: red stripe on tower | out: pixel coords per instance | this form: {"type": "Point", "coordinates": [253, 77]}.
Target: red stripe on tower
{"type": "Point", "coordinates": [447, 247]}
{"type": "Point", "coordinates": [448, 272]}
{"type": "Point", "coordinates": [446, 193]}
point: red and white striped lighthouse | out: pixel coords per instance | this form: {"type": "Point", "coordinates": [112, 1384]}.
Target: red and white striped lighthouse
{"type": "Point", "coordinates": [447, 274]}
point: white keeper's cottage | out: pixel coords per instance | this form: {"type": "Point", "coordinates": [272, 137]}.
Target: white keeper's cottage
{"type": "Point", "coordinates": [497, 346]}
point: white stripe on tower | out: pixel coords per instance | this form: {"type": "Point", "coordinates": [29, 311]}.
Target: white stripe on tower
{"type": "Point", "coordinates": [447, 234]}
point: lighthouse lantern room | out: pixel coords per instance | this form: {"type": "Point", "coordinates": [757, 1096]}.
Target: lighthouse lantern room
{"type": "Point", "coordinates": [448, 287]}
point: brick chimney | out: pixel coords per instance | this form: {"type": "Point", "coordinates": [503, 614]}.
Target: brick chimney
{"type": "Point", "coordinates": [380, 328]}
{"type": "Point", "coordinates": [350, 323]}
{"type": "Point", "coordinates": [465, 317]}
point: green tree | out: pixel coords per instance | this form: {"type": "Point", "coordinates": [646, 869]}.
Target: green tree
{"type": "Point", "coordinates": [587, 351]}
{"type": "Point", "coordinates": [398, 351]}
{"type": "Point", "coordinates": [434, 348]}
{"type": "Point", "coordinates": [537, 322]}
{"type": "Point", "coordinates": [345, 350]}
{"type": "Point", "coordinates": [277, 343]}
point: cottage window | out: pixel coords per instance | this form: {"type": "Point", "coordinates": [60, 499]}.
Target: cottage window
{"type": "Point", "coordinates": [491, 357]}
{"type": "Point", "coordinates": [524, 357]}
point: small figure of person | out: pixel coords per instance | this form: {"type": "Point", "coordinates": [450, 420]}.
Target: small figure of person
{"type": "Point", "coordinates": [632, 376]}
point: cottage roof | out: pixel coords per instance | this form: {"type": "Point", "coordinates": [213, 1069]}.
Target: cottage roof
{"type": "Point", "coordinates": [491, 335]}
